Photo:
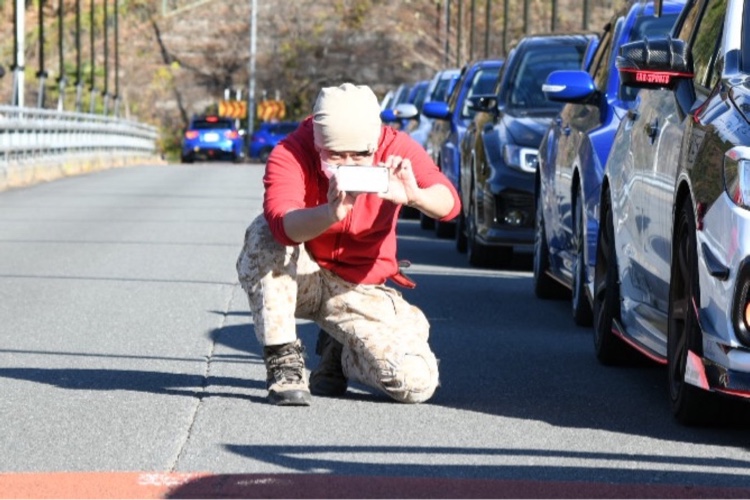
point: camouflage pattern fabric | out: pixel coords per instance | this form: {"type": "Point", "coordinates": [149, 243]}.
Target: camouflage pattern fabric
{"type": "Point", "coordinates": [384, 337]}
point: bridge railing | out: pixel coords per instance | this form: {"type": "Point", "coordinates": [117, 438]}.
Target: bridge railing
{"type": "Point", "coordinates": [32, 134]}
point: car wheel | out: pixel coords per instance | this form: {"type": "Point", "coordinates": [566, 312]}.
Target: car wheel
{"type": "Point", "coordinates": [426, 222]}
{"type": "Point", "coordinates": [689, 404]}
{"type": "Point", "coordinates": [461, 233]}
{"type": "Point", "coordinates": [545, 287]}
{"type": "Point", "coordinates": [610, 349]}
{"type": "Point", "coordinates": [582, 314]}
{"type": "Point", "coordinates": [263, 154]}
{"type": "Point", "coordinates": [480, 255]}
{"type": "Point", "coordinates": [445, 230]}
{"type": "Point", "coordinates": [186, 159]}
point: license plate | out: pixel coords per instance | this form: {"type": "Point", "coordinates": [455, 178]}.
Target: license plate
{"type": "Point", "coordinates": [211, 137]}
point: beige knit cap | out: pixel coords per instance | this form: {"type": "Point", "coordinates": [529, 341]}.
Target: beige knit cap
{"type": "Point", "coordinates": [347, 118]}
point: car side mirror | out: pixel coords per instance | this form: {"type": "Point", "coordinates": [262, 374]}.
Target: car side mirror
{"type": "Point", "coordinates": [654, 63]}
{"type": "Point", "coordinates": [483, 103]}
{"type": "Point", "coordinates": [404, 111]}
{"type": "Point", "coordinates": [573, 86]}
{"type": "Point", "coordinates": [436, 109]}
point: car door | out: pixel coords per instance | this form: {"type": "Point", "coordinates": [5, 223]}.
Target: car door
{"type": "Point", "coordinates": [479, 81]}
{"type": "Point", "coordinates": [674, 112]}
{"type": "Point", "coordinates": [658, 128]}
{"type": "Point", "coordinates": [575, 123]}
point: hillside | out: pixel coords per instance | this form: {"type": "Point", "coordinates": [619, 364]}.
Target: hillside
{"type": "Point", "coordinates": [179, 57]}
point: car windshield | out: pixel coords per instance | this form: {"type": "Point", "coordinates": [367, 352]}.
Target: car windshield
{"type": "Point", "coordinates": [483, 84]}
{"type": "Point", "coordinates": [209, 124]}
{"type": "Point", "coordinates": [420, 96]}
{"type": "Point", "coordinates": [526, 86]}
{"type": "Point", "coordinates": [443, 89]}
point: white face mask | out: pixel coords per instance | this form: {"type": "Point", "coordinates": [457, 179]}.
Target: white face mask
{"type": "Point", "coordinates": [329, 169]}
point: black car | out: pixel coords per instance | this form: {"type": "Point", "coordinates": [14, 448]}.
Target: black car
{"type": "Point", "coordinates": [500, 148]}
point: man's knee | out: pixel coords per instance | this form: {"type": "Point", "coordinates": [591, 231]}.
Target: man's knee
{"type": "Point", "coordinates": [413, 380]}
{"type": "Point", "coordinates": [261, 253]}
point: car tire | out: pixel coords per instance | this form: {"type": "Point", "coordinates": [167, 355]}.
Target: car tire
{"type": "Point", "coordinates": [186, 159]}
{"type": "Point", "coordinates": [609, 349]}
{"type": "Point", "coordinates": [263, 154]}
{"type": "Point", "coordinates": [689, 403]}
{"type": "Point", "coordinates": [582, 314]}
{"type": "Point", "coordinates": [545, 287]}
{"type": "Point", "coordinates": [445, 230]}
{"type": "Point", "coordinates": [480, 255]}
{"type": "Point", "coordinates": [426, 222]}
{"type": "Point", "coordinates": [461, 233]}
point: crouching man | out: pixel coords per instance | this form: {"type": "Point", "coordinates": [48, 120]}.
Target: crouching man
{"type": "Point", "coordinates": [324, 254]}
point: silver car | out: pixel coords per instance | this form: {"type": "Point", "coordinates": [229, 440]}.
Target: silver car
{"type": "Point", "coordinates": [672, 274]}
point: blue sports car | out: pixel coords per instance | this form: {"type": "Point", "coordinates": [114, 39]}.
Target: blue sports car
{"type": "Point", "coordinates": [574, 151]}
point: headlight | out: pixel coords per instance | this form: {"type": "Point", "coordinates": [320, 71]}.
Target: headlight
{"type": "Point", "coordinates": [521, 158]}
{"type": "Point", "coordinates": [737, 175]}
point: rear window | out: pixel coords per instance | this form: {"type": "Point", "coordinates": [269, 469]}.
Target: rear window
{"type": "Point", "coordinates": [207, 124]}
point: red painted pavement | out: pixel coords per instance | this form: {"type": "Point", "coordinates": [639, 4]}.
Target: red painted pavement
{"type": "Point", "coordinates": [106, 485]}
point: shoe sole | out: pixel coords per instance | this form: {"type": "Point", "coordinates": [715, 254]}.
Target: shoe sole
{"type": "Point", "coordinates": [290, 398]}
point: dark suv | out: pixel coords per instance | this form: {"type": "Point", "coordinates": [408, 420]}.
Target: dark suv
{"type": "Point", "coordinates": [212, 137]}
{"type": "Point", "coordinates": [500, 147]}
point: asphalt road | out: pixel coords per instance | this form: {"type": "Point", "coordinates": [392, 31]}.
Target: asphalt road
{"type": "Point", "coordinates": [129, 368]}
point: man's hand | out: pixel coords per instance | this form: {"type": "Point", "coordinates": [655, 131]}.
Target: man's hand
{"type": "Point", "coordinates": [434, 201]}
{"type": "Point", "coordinates": [402, 188]}
{"type": "Point", "coordinates": [340, 203]}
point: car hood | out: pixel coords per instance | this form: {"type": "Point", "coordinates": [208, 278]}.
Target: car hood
{"type": "Point", "coordinates": [527, 130]}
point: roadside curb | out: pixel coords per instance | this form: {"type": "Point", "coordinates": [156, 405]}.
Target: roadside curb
{"type": "Point", "coordinates": [28, 173]}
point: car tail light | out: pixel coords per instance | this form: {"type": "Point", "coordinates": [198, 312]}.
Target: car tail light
{"type": "Point", "coordinates": [737, 175]}
{"type": "Point", "coordinates": [231, 134]}
{"type": "Point", "coordinates": [191, 134]}
{"type": "Point", "coordinates": [212, 119]}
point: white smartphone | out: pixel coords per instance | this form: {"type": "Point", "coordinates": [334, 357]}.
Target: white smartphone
{"type": "Point", "coordinates": [362, 178]}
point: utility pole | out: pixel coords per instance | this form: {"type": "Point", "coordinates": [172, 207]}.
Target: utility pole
{"type": "Point", "coordinates": [553, 23]}
{"type": "Point", "coordinates": [105, 90]}
{"type": "Point", "coordinates": [61, 77]}
{"type": "Point", "coordinates": [42, 73]}
{"type": "Point", "coordinates": [79, 77]}
{"type": "Point", "coordinates": [487, 28]}
{"type": "Point", "coordinates": [117, 60]}
{"type": "Point", "coordinates": [19, 21]}
{"type": "Point", "coordinates": [251, 73]}
{"type": "Point", "coordinates": [446, 55]}
{"type": "Point", "coordinates": [92, 82]}
{"type": "Point", "coordinates": [459, 33]}
{"type": "Point", "coordinates": [473, 16]}
{"type": "Point", "coordinates": [505, 28]}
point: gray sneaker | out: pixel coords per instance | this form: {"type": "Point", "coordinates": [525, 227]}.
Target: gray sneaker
{"type": "Point", "coordinates": [328, 378]}
{"type": "Point", "coordinates": [285, 374]}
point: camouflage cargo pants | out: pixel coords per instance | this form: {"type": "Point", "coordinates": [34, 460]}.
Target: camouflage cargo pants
{"type": "Point", "coordinates": [384, 337]}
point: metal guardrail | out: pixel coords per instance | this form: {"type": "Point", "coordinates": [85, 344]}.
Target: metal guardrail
{"type": "Point", "coordinates": [32, 134]}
